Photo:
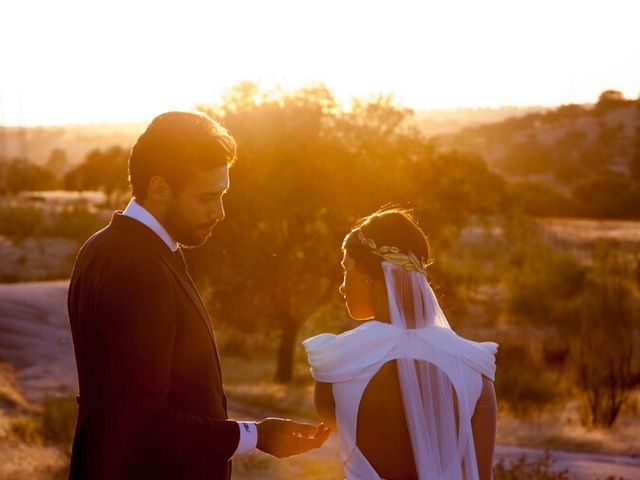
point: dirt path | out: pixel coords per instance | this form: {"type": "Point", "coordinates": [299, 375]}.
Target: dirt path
{"type": "Point", "coordinates": [35, 338]}
{"type": "Point", "coordinates": [581, 466]}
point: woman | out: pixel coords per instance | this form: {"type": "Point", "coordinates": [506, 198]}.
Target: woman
{"type": "Point", "coordinates": [408, 397]}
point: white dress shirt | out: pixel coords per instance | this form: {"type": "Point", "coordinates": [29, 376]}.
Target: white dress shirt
{"type": "Point", "coordinates": [248, 430]}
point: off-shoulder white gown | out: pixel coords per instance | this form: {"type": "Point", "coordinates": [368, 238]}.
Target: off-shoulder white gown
{"type": "Point", "coordinates": [350, 360]}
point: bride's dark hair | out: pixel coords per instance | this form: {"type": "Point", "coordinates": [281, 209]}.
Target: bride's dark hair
{"type": "Point", "coordinates": [390, 227]}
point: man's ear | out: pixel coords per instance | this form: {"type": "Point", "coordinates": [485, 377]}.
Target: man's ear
{"type": "Point", "coordinates": [159, 190]}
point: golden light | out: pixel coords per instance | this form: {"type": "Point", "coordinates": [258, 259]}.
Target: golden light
{"type": "Point", "coordinates": [73, 61]}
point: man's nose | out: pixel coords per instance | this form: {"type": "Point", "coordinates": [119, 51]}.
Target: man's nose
{"type": "Point", "coordinates": [341, 289]}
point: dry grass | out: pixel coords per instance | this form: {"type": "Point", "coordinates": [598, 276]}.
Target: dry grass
{"type": "Point", "coordinates": [561, 430]}
{"type": "Point", "coordinates": [11, 398]}
{"type": "Point", "coordinates": [19, 461]}
{"type": "Point", "coordinates": [22, 454]}
{"type": "Point", "coordinates": [36, 259]}
{"type": "Point", "coordinates": [588, 231]}
{"type": "Point", "coordinates": [248, 381]}
{"type": "Point", "coordinates": [321, 464]}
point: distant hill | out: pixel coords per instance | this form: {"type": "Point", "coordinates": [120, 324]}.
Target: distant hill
{"type": "Point", "coordinates": [37, 143]}
{"type": "Point", "coordinates": [447, 121]}
{"type": "Point", "coordinates": [579, 160]}
{"type": "Point", "coordinates": [563, 144]}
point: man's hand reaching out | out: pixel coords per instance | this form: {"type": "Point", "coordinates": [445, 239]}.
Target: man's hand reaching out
{"type": "Point", "coordinates": [284, 438]}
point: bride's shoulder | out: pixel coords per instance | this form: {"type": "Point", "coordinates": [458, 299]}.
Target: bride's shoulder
{"type": "Point", "coordinates": [325, 341]}
{"type": "Point", "coordinates": [481, 356]}
{"type": "Point", "coordinates": [337, 357]}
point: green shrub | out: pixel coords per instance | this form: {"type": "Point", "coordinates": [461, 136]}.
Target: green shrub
{"type": "Point", "coordinates": [604, 353]}
{"type": "Point", "coordinates": [555, 352]}
{"type": "Point", "coordinates": [472, 261]}
{"type": "Point", "coordinates": [74, 222]}
{"type": "Point", "coordinates": [608, 196]}
{"type": "Point", "coordinates": [20, 221]}
{"type": "Point", "coordinates": [525, 469]}
{"type": "Point", "coordinates": [9, 277]}
{"type": "Point", "coordinates": [521, 382]}
{"type": "Point", "coordinates": [541, 199]}
{"type": "Point", "coordinates": [27, 430]}
{"type": "Point", "coordinates": [54, 424]}
{"type": "Point", "coordinates": [542, 281]}
{"type": "Point", "coordinates": [58, 419]}
{"type": "Point", "coordinates": [19, 174]}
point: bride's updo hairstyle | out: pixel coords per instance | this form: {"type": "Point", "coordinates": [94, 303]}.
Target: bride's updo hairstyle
{"type": "Point", "coordinates": [388, 227]}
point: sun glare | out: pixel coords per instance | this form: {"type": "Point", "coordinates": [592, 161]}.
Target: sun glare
{"type": "Point", "coordinates": [88, 62]}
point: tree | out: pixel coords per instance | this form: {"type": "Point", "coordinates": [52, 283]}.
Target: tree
{"type": "Point", "coordinates": [449, 188]}
{"type": "Point", "coordinates": [57, 162]}
{"type": "Point", "coordinates": [104, 170]}
{"type": "Point", "coordinates": [603, 353]}
{"type": "Point", "coordinates": [540, 199]}
{"type": "Point", "coordinates": [634, 163]}
{"type": "Point", "coordinates": [307, 170]}
{"type": "Point", "coordinates": [571, 111]}
{"type": "Point", "coordinates": [20, 175]}
{"type": "Point", "coordinates": [280, 254]}
{"type": "Point", "coordinates": [610, 196]}
{"type": "Point", "coordinates": [610, 100]}
{"type": "Point", "coordinates": [568, 152]}
{"type": "Point", "coordinates": [526, 157]}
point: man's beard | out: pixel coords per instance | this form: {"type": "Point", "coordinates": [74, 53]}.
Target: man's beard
{"type": "Point", "coordinates": [185, 233]}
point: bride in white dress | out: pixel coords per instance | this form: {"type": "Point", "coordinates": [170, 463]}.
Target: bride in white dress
{"type": "Point", "coordinates": [408, 397]}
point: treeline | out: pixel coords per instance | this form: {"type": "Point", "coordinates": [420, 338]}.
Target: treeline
{"type": "Point", "coordinates": [101, 169]}
{"type": "Point", "coordinates": [574, 160]}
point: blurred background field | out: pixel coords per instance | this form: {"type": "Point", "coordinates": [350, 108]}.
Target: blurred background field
{"type": "Point", "coordinates": [534, 222]}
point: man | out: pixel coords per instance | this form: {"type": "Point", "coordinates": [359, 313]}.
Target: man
{"type": "Point", "coordinates": [151, 401]}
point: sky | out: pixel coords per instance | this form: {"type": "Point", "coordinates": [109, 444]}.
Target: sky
{"type": "Point", "coordinates": [95, 61]}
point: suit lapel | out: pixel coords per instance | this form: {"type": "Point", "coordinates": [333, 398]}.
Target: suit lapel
{"type": "Point", "coordinates": [187, 284]}
{"type": "Point", "coordinates": [189, 287]}
{"type": "Point", "coordinates": [147, 235]}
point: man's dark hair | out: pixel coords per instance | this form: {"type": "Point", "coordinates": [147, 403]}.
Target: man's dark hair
{"type": "Point", "coordinates": [175, 146]}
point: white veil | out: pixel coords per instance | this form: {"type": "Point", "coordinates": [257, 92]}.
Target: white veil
{"type": "Point", "coordinates": [435, 402]}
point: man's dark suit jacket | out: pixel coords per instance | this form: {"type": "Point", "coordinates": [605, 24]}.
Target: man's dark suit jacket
{"type": "Point", "coordinates": [151, 402]}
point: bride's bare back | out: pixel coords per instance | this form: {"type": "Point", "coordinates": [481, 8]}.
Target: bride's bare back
{"type": "Point", "coordinates": [382, 435]}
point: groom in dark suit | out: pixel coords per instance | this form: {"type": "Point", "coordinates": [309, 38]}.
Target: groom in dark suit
{"type": "Point", "coordinates": [152, 404]}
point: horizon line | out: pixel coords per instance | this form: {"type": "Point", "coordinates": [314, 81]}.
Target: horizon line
{"type": "Point", "coordinates": [416, 110]}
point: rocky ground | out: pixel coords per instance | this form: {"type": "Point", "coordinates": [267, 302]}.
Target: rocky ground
{"type": "Point", "coordinates": [36, 259]}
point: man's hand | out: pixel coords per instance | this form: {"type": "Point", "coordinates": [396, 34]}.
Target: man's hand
{"type": "Point", "coordinates": [283, 438]}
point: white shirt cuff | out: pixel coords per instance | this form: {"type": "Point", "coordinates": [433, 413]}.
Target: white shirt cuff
{"type": "Point", "coordinates": [248, 437]}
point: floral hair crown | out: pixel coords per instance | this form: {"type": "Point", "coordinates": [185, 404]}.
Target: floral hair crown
{"type": "Point", "coordinates": [409, 261]}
